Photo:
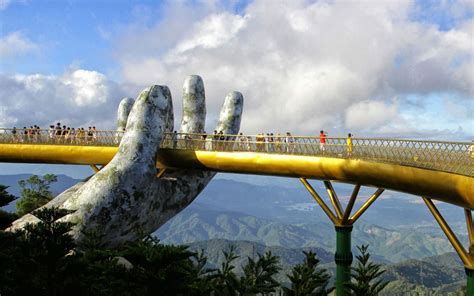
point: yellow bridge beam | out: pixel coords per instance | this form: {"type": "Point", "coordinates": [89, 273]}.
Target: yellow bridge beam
{"type": "Point", "coordinates": [448, 187]}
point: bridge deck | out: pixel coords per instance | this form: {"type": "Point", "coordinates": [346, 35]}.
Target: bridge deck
{"type": "Point", "coordinates": [440, 170]}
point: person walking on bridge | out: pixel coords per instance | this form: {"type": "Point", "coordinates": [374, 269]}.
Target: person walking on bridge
{"type": "Point", "coordinates": [289, 143]}
{"type": "Point", "coordinates": [322, 141]}
{"type": "Point", "coordinates": [58, 131]}
{"type": "Point", "coordinates": [349, 145]}
{"type": "Point", "coordinates": [215, 139]}
{"type": "Point", "coordinates": [242, 140]}
{"type": "Point", "coordinates": [51, 133]}
{"type": "Point", "coordinates": [14, 135]}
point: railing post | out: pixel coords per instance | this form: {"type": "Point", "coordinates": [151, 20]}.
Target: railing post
{"type": "Point", "coordinates": [343, 258]}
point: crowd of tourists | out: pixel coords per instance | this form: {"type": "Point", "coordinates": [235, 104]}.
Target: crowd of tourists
{"type": "Point", "coordinates": [263, 142]}
{"type": "Point", "coordinates": [55, 133]}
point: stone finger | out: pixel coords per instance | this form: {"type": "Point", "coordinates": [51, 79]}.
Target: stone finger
{"type": "Point", "coordinates": [123, 111]}
{"type": "Point", "coordinates": [169, 124]}
{"type": "Point", "coordinates": [194, 105]}
{"type": "Point", "coordinates": [231, 113]}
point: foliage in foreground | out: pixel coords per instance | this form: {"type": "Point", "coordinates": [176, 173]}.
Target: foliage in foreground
{"type": "Point", "coordinates": [6, 218]}
{"type": "Point", "coordinates": [308, 279]}
{"type": "Point", "coordinates": [366, 275]}
{"type": "Point", "coordinates": [43, 259]}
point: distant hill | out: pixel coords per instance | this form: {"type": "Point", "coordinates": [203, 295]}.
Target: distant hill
{"type": "Point", "coordinates": [197, 223]}
{"type": "Point", "coordinates": [437, 275]}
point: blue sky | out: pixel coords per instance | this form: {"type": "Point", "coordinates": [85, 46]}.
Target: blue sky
{"type": "Point", "coordinates": [375, 68]}
{"type": "Point", "coordinates": [70, 32]}
{"type": "Point", "coordinates": [77, 33]}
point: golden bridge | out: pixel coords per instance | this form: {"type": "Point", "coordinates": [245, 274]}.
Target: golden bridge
{"type": "Point", "coordinates": [433, 170]}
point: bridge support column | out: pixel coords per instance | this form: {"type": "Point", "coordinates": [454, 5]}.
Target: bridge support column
{"type": "Point", "coordinates": [343, 258]}
{"type": "Point", "coordinates": [470, 281]}
{"type": "Point", "coordinates": [467, 256]}
{"type": "Point", "coordinates": [343, 222]}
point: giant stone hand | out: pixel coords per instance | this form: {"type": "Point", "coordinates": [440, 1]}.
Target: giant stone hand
{"type": "Point", "coordinates": [125, 200]}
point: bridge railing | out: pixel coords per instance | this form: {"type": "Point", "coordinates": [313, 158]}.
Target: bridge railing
{"type": "Point", "coordinates": [61, 137]}
{"type": "Point", "coordinates": [453, 157]}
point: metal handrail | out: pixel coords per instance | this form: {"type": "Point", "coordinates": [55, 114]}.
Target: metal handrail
{"type": "Point", "coordinates": [452, 157]}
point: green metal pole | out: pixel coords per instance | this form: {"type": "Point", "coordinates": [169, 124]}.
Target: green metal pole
{"type": "Point", "coordinates": [470, 281]}
{"type": "Point", "coordinates": [343, 258]}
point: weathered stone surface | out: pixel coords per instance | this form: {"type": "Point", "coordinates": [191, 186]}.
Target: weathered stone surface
{"type": "Point", "coordinates": [124, 109]}
{"type": "Point", "coordinates": [194, 105]}
{"type": "Point", "coordinates": [121, 261]}
{"type": "Point", "coordinates": [231, 113]}
{"type": "Point", "coordinates": [125, 201]}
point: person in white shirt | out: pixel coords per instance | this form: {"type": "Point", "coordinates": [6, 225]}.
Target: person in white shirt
{"type": "Point", "coordinates": [51, 132]}
{"type": "Point", "coordinates": [242, 140]}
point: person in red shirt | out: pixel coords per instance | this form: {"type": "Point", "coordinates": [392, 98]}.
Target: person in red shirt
{"type": "Point", "coordinates": [322, 141]}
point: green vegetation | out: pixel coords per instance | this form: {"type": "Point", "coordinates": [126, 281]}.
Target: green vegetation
{"type": "Point", "coordinates": [43, 259]}
{"type": "Point", "coordinates": [308, 279]}
{"type": "Point", "coordinates": [366, 276]}
{"type": "Point", "coordinates": [6, 218]}
{"type": "Point", "coordinates": [200, 269]}
{"type": "Point", "coordinates": [34, 193]}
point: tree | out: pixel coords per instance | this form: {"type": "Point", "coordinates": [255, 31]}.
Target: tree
{"type": "Point", "coordinates": [33, 260]}
{"type": "Point", "coordinates": [365, 276]}
{"type": "Point", "coordinates": [204, 276]}
{"type": "Point", "coordinates": [225, 280]}
{"type": "Point", "coordinates": [6, 218]}
{"type": "Point", "coordinates": [308, 279]}
{"type": "Point", "coordinates": [258, 275]}
{"type": "Point", "coordinates": [34, 193]}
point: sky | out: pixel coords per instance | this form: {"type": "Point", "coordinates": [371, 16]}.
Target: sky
{"type": "Point", "coordinates": [394, 68]}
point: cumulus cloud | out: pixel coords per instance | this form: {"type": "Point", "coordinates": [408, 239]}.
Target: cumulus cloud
{"type": "Point", "coordinates": [76, 98]}
{"type": "Point", "coordinates": [15, 44]}
{"type": "Point", "coordinates": [367, 114]}
{"type": "Point", "coordinates": [303, 65]}
{"type": "Point", "coordinates": [88, 87]}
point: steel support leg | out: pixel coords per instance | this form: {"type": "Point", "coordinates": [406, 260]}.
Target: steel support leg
{"type": "Point", "coordinates": [467, 256]}
{"type": "Point", "coordinates": [343, 258]}
{"type": "Point", "coordinates": [343, 225]}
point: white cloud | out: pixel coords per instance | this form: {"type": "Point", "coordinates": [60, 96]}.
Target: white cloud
{"type": "Point", "coordinates": [15, 44]}
{"type": "Point", "coordinates": [76, 98]}
{"type": "Point", "coordinates": [366, 115]}
{"type": "Point", "coordinates": [88, 87]}
{"type": "Point", "coordinates": [215, 31]}
{"type": "Point", "coordinates": [303, 66]}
